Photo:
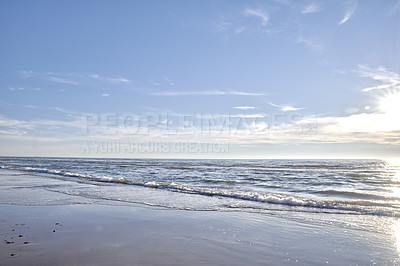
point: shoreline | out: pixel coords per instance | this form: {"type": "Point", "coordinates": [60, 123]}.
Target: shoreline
{"type": "Point", "coordinates": [41, 226]}
{"type": "Point", "coordinates": [92, 234]}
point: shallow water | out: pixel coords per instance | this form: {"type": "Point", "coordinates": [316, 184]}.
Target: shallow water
{"type": "Point", "coordinates": [348, 186]}
{"type": "Point", "coordinates": [353, 193]}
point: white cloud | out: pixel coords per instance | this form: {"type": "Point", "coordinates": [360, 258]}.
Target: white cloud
{"type": "Point", "coordinates": [154, 83]}
{"type": "Point", "coordinates": [50, 76]}
{"type": "Point", "coordinates": [232, 128]}
{"type": "Point", "coordinates": [259, 13]}
{"type": "Point", "coordinates": [171, 83]}
{"type": "Point", "coordinates": [377, 128]}
{"type": "Point", "coordinates": [41, 129]}
{"type": "Point", "coordinates": [313, 44]}
{"type": "Point", "coordinates": [285, 2]}
{"type": "Point", "coordinates": [290, 108]}
{"type": "Point", "coordinates": [208, 92]}
{"type": "Point", "coordinates": [72, 78]}
{"type": "Point", "coordinates": [351, 6]}
{"type": "Point", "coordinates": [105, 94]}
{"type": "Point", "coordinates": [286, 108]}
{"type": "Point", "coordinates": [109, 79]}
{"type": "Point", "coordinates": [240, 93]}
{"type": "Point", "coordinates": [244, 107]}
{"type": "Point", "coordinates": [26, 74]}
{"type": "Point", "coordinates": [61, 80]}
{"type": "Point", "coordinates": [383, 78]}
{"type": "Point", "coordinates": [248, 116]}
{"type": "Point", "coordinates": [311, 8]}
{"type": "Point", "coordinates": [250, 19]}
{"type": "Point", "coordinates": [222, 26]}
{"type": "Point", "coordinates": [239, 29]}
{"type": "Point", "coordinates": [13, 123]}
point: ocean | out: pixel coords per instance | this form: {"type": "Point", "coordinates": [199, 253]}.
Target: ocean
{"type": "Point", "coordinates": [353, 193]}
{"type": "Point", "coordinates": [341, 211]}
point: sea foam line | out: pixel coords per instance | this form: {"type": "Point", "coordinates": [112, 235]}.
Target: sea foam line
{"type": "Point", "coordinates": [275, 198]}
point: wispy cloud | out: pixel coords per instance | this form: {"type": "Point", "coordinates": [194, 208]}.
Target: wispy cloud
{"type": "Point", "coordinates": [50, 76]}
{"type": "Point", "coordinates": [43, 126]}
{"type": "Point", "coordinates": [285, 2]}
{"type": "Point", "coordinates": [207, 92]}
{"type": "Point", "coordinates": [250, 19]}
{"type": "Point", "coordinates": [285, 108]}
{"type": "Point", "coordinates": [227, 29]}
{"type": "Point", "coordinates": [259, 13]}
{"type": "Point", "coordinates": [72, 78]}
{"type": "Point", "coordinates": [154, 83]}
{"type": "Point", "coordinates": [222, 26]}
{"type": "Point", "coordinates": [109, 79]}
{"type": "Point", "coordinates": [384, 78]}
{"type": "Point", "coordinates": [26, 74]}
{"type": "Point", "coordinates": [351, 6]}
{"type": "Point", "coordinates": [314, 44]}
{"type": "Point", "coordinates": [244, 107]}
{"type": "Point", "coordinates": [311, 8]}
{"type": "Point", "coordinates": [170, 82]}
{"type": "Point", "coordinates": [247, 116]}
{"type": "Point", "coordinates": [239, 29]}
{"type": "Point", "coordinates": [2, 103]}
{"type": "Point", "coordinates": [105, 94]}
{"type": "Point", "coordinates": [61, 80]}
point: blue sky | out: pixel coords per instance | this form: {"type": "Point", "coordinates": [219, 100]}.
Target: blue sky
{"type": "Point", "coordinates": [268, 79]}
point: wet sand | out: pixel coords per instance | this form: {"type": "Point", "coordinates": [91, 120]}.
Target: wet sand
{"type": "Point", "coordinates": [91, 234]}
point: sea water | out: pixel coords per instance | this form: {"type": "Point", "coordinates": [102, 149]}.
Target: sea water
{"type": "Point", "coordinates": [357, 194]}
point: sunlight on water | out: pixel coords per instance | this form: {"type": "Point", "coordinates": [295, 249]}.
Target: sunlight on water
{"type": "Point", "coordinates": [395, 162]}
{"type": "Point", "coordinates": [394, 168]}
{"type": "Point", "coordinates": [396, 234]}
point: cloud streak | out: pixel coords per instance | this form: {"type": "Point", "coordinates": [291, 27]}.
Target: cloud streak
{"type": "Point", "coordinates": [61, 80]}
{"type": "Point", "coordinates": [244, 107]}
{"type": "Point", "coordinates": [73, 79]}
{"type": "Point", "coordinates": [285, 108]}
{"type": "Point", "coordinates": [384, 78]}
{"type": "Point", "coordinates": [207, 92]}
{"type": "Point", "coordinates": [50, 76]}
{"type": "Point", "coordinates": [311, 8]}
{"type": "Point", "coordinates": [109, 79]}
{"type": "Point", "coordinates": [259, 13]}
{"type": "Point", "coordinates": [351, 6]}
{"type": "Point", "coordinates": [313, 44]}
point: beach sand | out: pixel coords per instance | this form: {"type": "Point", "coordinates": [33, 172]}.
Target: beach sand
{"type": "Point", "coordinates": [121, 235]}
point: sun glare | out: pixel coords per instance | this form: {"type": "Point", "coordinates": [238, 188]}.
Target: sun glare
{"type": "Point", "coordinates": [390, 104]}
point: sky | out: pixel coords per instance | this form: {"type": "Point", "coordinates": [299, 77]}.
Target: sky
{"type": "Point", "coordinates": [200, 79]}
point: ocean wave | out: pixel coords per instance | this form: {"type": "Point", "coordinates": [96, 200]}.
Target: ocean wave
{"type": "Point", "coordinates": [357, 203]}
{"type": "Point", "coordinates": [355, 195]}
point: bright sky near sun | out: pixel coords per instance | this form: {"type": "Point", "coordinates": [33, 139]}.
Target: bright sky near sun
{"type": "Point", "coordinates": [267, 79]}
